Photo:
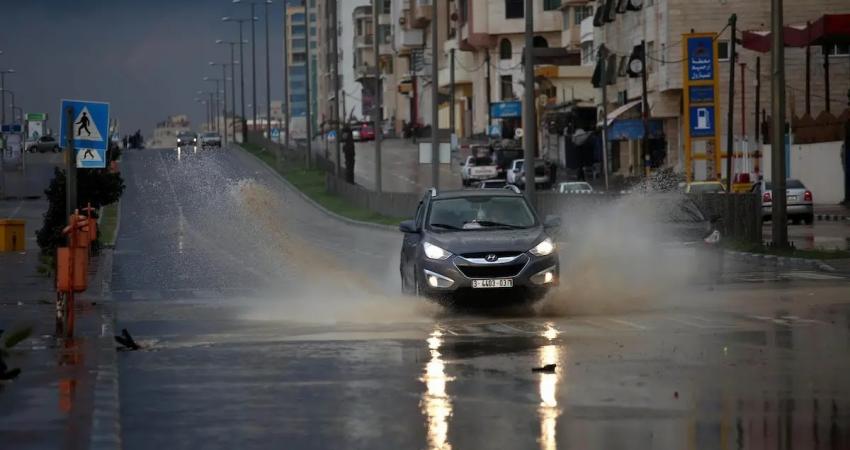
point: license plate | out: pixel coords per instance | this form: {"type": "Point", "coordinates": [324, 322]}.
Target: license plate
{"type": "Point", "coordinates": [498, 283]}
{"type": "Point", "coordinates": [792, 198]}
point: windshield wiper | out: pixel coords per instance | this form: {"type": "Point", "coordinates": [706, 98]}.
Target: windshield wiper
{"type": "Point", "coordinates": [445, 226]}
{"type": "Point", "coordinates": [488, 223]}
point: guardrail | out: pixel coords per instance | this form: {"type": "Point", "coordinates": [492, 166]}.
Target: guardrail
{"type": "Point", "coordinates": [390, 204]}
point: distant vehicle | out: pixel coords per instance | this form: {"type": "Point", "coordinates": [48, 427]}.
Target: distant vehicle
{"type": "Point", "coordinates": [44, 144]}
{"type": "Point", "coordinates": [355, 134]}
{"type": "Point", "coordinates": [477, 168]}
{"type": "Point", "coordinates": [542, 174]}
{"type": "Point", "coordinates": [486, 242]}
{"type": "Point", "coordinates": [499, 183]}
{"type": "Point", "coordinates": [185, 138]}
{"type": "Point", "coordinates": [800, 202]}
{"type": "Point", "coordinates": [210, 139]}
{"type": "Point", "coordinates": [504, 155]}
{"type": "Point", "coordinates": [575, 187]}
{"type": "Point", "coordinates": [705, 187]}
{"type": "Point", "coordinates": [367, 133]}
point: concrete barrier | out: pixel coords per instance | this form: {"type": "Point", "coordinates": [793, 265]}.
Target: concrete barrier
{"type": "Point", "coordinates": [391, 204]}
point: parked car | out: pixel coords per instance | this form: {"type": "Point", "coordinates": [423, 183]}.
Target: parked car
{"type": "Point", "coordinates": [477, 168]}
{"type": "Point", "coordinates": [210, 139]}
{"type": "Point", "coordinates": [705, 187]}
{"type": "Point", "coordinates": [484, 242]}
{"type": "Point", "coordinates": [499, 183]}
{"type": "Point", "coordinates": [504, 156]}
{"type": "Point", "coordinates": [575, 187]}
{"type": "Point", "coordinates": [44, 144]}
{"type": "Point", "coordinates": [800, 201]}
{"type": "Point", "coordinates": [542, 174]}
{"type": "Point", "coordinates": [367, 133]}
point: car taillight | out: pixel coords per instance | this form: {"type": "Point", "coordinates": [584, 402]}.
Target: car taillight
{"type": "Point", "coordinates": [807, 196]}
{"type": "Point", "coordinates": [766, 197]}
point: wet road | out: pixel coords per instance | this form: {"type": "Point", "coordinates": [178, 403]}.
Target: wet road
{"type": "Point", "coordinates": [269, 325]}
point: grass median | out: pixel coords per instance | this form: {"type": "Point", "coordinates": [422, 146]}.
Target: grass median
{"type": "Point", "coordinates": [312, 183]}
{"type": "Point", "coordinates": [109, 224]}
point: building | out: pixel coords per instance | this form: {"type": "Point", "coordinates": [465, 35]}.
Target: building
{"type": "Point", "coordinates": [661, 23]}
{"type": "Point", "coordinates": [165, 133]}
{"type": "Point", "coordinates": [364, 60]}
{"type": "Point", "coordinates": [296, 38]}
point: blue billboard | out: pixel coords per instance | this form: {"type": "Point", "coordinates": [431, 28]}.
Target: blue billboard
{"type": "Point", "coordinates": [702, 121]}
{"type": "Point", "coordinates": [504, 110]}
{"type": "Point", "coordinates": [701, 58]}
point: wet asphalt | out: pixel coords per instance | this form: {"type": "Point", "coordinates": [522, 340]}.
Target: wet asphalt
{"type": "Point", "coordinates": [266, 324]}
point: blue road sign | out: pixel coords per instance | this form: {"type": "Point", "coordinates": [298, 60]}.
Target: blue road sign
{"type": "Point", "coordinates": [503, 110]}
{"type": "Point", "coordinates": [90, 131]}
{"type": "Point", "coordinates": [495, 131]}
{"type": "Point", "coordinates": [275, 133]}
{"type": "Point", "coordinates": [11, 128]}
{"type": "Point", "coordinates": [702, 121]}
{"type": "Point", "coordinates": [701, 58]}
{"type": "Point", "coordinates": [701, 94]}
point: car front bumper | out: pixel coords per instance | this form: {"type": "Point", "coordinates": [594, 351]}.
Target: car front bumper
{"type": "Point", "coordinates": [455, 275]}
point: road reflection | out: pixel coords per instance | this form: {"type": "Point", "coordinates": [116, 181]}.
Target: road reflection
{"type": "Point", "coordinates": [436, 405]}
{"type": "Point", "coordinates": [548, 410]}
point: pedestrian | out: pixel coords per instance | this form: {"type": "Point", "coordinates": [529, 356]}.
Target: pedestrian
{"type": "Point", "coordinates": [125, 142]}
{"type": "Point", "coordinates": [348, 151]}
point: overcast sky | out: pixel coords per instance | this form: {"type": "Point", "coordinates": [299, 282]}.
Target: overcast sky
{"type": "Point", "coordinates": [145, 57]}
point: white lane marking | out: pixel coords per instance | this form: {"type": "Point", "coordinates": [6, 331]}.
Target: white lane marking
{"type": "Point", "coordinates": [686, 322]}
{"type": "Point", "coordinates": [600, 325]}
{"type": "Point", "coordinates": [630, 324]}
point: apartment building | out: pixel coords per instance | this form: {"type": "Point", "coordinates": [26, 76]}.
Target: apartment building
{"type": "Point", "coordinates": [622, 25]}
{"type": "Point", "coordinates": [298, 35]}
{"type": "Point", "coordinates": [364, 59]}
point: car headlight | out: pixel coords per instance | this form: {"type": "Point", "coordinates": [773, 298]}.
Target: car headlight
{"type": "Point", "coordinates": [544, 248]}
{"type": "Point", "coordinates": [434, 252]}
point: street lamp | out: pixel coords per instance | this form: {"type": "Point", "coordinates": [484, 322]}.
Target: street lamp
{"type": "Point", "coordinates": [216, 102]}
{"type": "Point", "coordinates": [241, 71]}
{"type": "Point", "coordinates": [254, 53]}
{"type": "Point", "coordinates": [206, 104]}
{"type": "Point", "coordinates": [3, 73]}
{"type": "Point", "coordinates": [232, 77]}
{"type": "Point", "coordinates": [12, 93]}
{"type": "Point", "coordinates": [224, 87]}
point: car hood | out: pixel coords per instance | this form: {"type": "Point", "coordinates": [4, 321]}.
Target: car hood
{"type": "Point", "coordinates": [462, 242]}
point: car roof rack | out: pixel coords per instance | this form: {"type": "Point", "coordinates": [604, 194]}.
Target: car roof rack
{"type": "Point", "coordinates": [513, 188]}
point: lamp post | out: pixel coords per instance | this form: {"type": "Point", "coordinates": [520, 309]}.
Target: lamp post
{"type": "Point", "coordinates": [268, 75]}
{"type": "Point", "coordinates": [12, 93]}
{"type": "Point", "coordinates": [241, 72]}
{"type": "Point", "coordinates": [3, 94]}
{"type": "Point", "coordinates": [201, 101]}
{"type": "Point", "coordinates": [232, 78]}
{"type": "Point", "coordinates": [254, 58]}
{"type": "Point", "coordinates": [224, 88]}
{"type": "Point", "coordinates": [215, 100]}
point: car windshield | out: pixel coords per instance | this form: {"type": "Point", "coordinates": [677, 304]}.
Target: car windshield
{"type": "Point", "coordinates": [479, 212]}
{"type": "Point", "coordinates": [706, 188]}
{"type": "Point", "coordinates": [494, 184]}
{"type": "Point", "coordinates": [789, 184]}
{"type": "Point", "coordinates": [518, 164]}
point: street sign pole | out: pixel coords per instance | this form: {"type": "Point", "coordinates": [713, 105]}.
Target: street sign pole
{"type": "Point", "coordinates": [71, 167]}
{"type": "Point", "coordinates": [777, 142]}
{"type": "Point", "coordinates": [529, 118]}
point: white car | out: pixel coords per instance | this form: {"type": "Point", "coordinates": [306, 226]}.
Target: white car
{"type": "Point", "coordinates": [514, 171]}
{"type": "Point", "coordinates": [477, 169]}
{"type": "Point", "coordinates": [575, 187]}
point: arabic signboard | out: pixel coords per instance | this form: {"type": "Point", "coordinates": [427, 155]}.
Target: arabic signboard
{"type": "Point", "coordinates": [36, 117]}
{"type": "Point", "coordinates": [700, 88]}
{"type": "Point", "coordinates": [503, 110]}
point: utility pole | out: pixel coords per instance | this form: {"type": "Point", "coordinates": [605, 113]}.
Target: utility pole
{"type": "Point", "coordinates": [224, 97]}
{"type": "Point", "coordinates": [286, 43]}
{"type": "Point", "coordinates": [379, 100]}
{"type": "Point", "coordinates": [603, 58]}
{"type": "Point", "coordinates": [337, 117]}
{"type": "Point", "coordinates": [489, 100]}
{"type": "Point", "coordinates": [452, 94]}
{"type": "Point", "coordinates": [254, 66]}
{"type": "Point", "coordinates": [308, 83]}
{"type": "Point", "coordinates": [778, 213]}
{"type": "Point", "coordinates": [268, 83]}
{"type": "Point", "coordinates": [825, 77]}
{"type": "Point", "coordinates": [71, 167]}
{"type": "Point", "coordinates": [645, 110]}
{"type": "Point", "coordinates": [435, 113]}
{"type": "Point", "coordinates": [730, 135]}
{"type": "Point", "coordinates": [242, 86]}
{"type": "Point", "coordinates": [529, 126]}
{"type": "Point", "coordinates": [758, 99]}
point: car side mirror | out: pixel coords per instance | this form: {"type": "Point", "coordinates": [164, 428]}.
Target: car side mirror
{"type": "Point", "coordinates": [552, 221]}
{"type": "Point", "coordinates": [408, 226]}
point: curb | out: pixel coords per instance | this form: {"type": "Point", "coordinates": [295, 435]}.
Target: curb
{"type": "Point", "coordinates": [106, 414]}
{"type": "Point", "coordinates": [781, 261]}
{"type": "Point", "coordinates": [358, 223]}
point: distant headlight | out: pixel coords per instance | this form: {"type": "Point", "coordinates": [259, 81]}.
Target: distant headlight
{"type": "Point", "coordinates": [434, 252]}
{"type": "Point", "coordinates": [544, 248]}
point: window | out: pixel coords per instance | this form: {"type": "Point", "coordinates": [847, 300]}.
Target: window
{"type": "Point", "coordinates": [387, 7]}
{"type": "Point", "coordinates": [299, 58]}
{"type": "Point", "coordinates": [582, 12]}
{"type": "Point", "coordinates": [297, 44]}
{"type": "Point", "coordinates": [507, 88]}
{"type": "Point", "coordinates": [549, 5]}
{"type": "Point", "coordinates": [837, 49]}
{"type": "Point", "coordinates": [723, 50]}
{"type": "Point", "coordinates": [539, 42]}
{"type": "Point", "coordinates": [514, 9]}
{"type": "Point", "coordinates": [505, 49]}
{"type": "Point", "coordinates": [566, 18]}
{"type": "Point", "coordinates": [298, 30]}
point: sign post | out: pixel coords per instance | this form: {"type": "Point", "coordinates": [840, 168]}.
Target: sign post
{"type": "Point", "coordinates": [701, 103]}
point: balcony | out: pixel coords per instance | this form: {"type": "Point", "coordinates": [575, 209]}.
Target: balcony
{"type": "Point", "coordinates": [363, 71]}
{"type": "Point", "coordinates": [363, 41]}
{"type": "Point", "coordinates": [462, 76]}
{"type": "Point", "coordinates": [421, 13]}
{"type": "Point", "coordinates": [407, 39]}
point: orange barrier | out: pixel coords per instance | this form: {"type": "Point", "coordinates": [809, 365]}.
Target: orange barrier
{"type": "Point", "coordinates": [72, 265]}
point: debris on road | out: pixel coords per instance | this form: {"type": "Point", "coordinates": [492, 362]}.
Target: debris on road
{"type": "Point", "coordinates": [548, 368]}
{"type": "Point", "coordinates": [127, 341]}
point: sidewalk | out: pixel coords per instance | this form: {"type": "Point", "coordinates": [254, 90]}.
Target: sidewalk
{"type": "Point", "coordinates": [52, 403]}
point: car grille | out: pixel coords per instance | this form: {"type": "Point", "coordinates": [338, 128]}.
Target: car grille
{"type": "Point", "coordinates": [494, 271]}
{"type": "Point", "coordinates": [484, 254]}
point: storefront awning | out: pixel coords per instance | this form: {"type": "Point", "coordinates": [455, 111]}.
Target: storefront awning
{"type": "Point", "coordinates": [619, 111]}
{"type": "Point", "coordinates": [826, 30]}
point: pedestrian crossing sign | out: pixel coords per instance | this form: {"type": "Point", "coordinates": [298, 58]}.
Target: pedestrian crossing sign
{"type": "Point", "coordinates": [89, 129]}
